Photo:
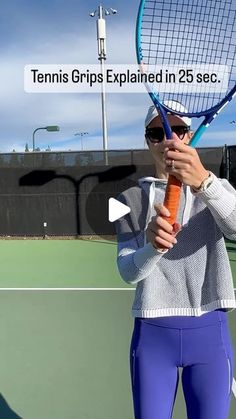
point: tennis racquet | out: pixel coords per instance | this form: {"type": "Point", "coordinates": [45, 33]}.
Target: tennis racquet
{"type": "Point", "coordinates": [187, 32]}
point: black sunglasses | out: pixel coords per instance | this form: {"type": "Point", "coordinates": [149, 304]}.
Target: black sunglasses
{"type": "Point", "coordinates": [157, 134]}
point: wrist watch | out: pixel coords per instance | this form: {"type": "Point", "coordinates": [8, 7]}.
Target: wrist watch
{"type": "Point", "coordinates": [205, 184]}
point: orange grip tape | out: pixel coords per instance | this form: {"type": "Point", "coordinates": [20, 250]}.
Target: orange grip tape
{"type": "Point", "coordinates": [172, 198]}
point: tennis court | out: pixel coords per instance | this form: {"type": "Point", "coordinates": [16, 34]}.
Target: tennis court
{"type": "Point", "coordinates": [58, 263]}
{"type": "Point", "coordinates": [66, 264]}
{"type": "Point", "coordinates": [65, 354]}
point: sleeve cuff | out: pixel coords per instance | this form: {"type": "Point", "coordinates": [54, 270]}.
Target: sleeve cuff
{"type": "Point", "coordinates": [218, 197]}
{"type": "Point", "coordinates": [147, 256]}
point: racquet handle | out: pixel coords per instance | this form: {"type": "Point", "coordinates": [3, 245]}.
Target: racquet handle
{"type": "Point", "coordinates": [172, 198]}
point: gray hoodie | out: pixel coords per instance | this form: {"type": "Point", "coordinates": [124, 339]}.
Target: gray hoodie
{"type": "Point", "coordinates": [195, 275]}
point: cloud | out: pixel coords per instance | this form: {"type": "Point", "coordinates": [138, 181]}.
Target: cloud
{"type": "Point", "coordinates": [22, 112]}
{"type": "Point", "coordinates": [38, 41]}
{"type": "Point", "coordinates": [95, 142]}
{"type": "Point", "coordinates": [216, 138]}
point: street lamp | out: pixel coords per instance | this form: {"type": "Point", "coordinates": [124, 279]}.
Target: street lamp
{"type": "Point", "coordinates": [81, 134]}
{"type": "Point", "coordinates": [106, 11]}
{"type": "Point", "coordinates": [101, 37]}
{"type": "Point", "coordinates": [50, 128]}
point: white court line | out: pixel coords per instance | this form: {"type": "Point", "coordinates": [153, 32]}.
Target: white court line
{"type": "Point", "coordinates": [67, 289]}
{"type": "Point", "coordinates": [234, 387]}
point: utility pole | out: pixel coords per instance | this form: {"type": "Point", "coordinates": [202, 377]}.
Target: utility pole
{"type": "Point", "coordinates": [102, 54]}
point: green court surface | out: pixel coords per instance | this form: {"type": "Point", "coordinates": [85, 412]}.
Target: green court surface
{"type": "Point", "coordinates": [58, 263]}
{"type": "Point", "coordinates": [65, 355]}
{"type": "Point", "coordinates": [65, 264]}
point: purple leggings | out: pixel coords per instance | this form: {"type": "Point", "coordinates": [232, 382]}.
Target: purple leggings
{"type": "Point", "coordinates": [202, 346]}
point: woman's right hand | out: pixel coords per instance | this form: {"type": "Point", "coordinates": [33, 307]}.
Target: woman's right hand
{"type": "Point", "coordinates": [159, 232]}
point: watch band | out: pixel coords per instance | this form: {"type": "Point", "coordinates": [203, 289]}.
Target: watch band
{"type": "Point", "coordinates": [205, 184]}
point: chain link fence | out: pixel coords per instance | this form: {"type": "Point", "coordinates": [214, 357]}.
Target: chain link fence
{"type": "Point", "coordinates": [66, 193]}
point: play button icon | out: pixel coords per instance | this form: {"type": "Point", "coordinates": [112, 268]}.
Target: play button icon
{"type": "Point", "coordinates": [116, 209]}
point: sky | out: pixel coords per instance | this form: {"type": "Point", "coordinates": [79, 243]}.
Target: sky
{"type": "Point", "coordinates": [62, 32]}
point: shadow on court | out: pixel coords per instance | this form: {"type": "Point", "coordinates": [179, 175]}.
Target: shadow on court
{"type": "Point", "coordinates": [231, 249]}
{"type": "Point", "coordinates": [98, 240]}
{"type": "Point", "coordinates": [5, 410]}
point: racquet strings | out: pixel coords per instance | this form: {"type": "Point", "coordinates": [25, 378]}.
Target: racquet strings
{"type": "Point", "coordinates": [190, 32]}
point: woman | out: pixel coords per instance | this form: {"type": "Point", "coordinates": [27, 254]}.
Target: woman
{"type": "Point", "coordinates": [184, 282]}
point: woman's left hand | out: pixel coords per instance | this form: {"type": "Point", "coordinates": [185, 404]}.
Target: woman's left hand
{"type": "Point", "coordinates": [183, 162]}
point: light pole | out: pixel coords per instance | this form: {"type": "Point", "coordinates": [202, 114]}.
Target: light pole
{"type": "Point", "coordinates": [101, 37]}
{"type": "Point", "coordinates": [49, 128]}
{"type": "Point", "coordinates": [81, 134]}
